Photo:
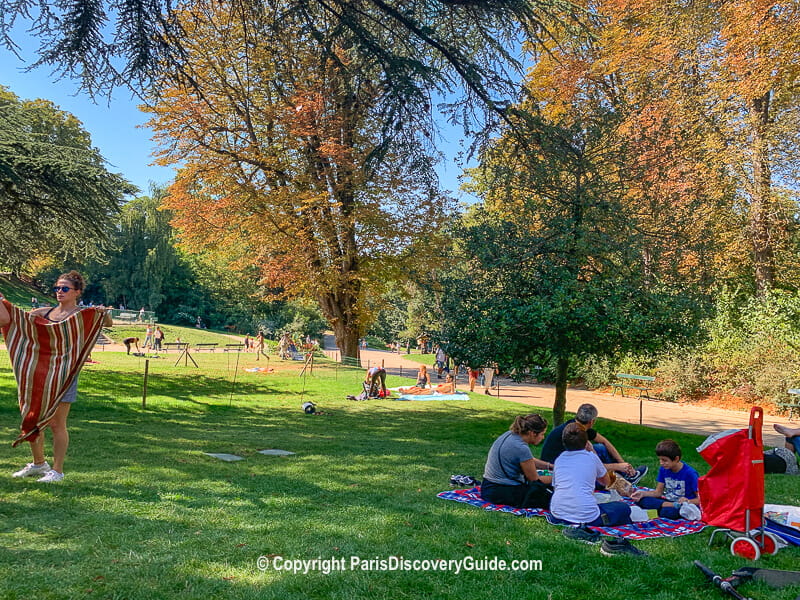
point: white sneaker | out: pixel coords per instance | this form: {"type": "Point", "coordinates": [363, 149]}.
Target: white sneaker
{"type": "Point", "coordinates": [51, 477]}
{"type": "Point", "coordinates": [32, 469]}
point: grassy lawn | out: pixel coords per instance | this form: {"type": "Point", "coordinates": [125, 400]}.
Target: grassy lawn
{"type": "Point", "coordinates": [144, 514]}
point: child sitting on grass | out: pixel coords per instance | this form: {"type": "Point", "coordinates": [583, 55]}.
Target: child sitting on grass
{"type": "Point", "coordinates": [574, 475]}
{"type": "Point", "coordinates": [676, 483]}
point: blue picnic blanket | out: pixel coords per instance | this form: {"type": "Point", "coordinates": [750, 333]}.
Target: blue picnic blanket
{"type": "Point", "coordinates": [456, 396]}
{"type": "Point", "coordinates": [644, 530]}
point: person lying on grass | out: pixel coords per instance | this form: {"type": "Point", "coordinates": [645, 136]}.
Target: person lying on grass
{"type": "Point", "coordinates": [676, 483]}
{"type": "Point", "coordinates": [574, 476]}
{"type": "Point", "coordinates": [448, 387]}
{"type": "Point", "coordinates": [510, 476]}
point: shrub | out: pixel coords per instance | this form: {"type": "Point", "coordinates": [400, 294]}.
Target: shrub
{"type": "Point", "coordinates": [683, 376]}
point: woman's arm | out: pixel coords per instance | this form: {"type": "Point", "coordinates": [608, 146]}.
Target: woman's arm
{"type": "Point", "coordinates": [5, 317]}
{"type": "Point", "coordinates": [529, 470]}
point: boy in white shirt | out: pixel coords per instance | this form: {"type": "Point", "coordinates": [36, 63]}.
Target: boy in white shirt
{"type": "Point", "coordinates": [574, 476]}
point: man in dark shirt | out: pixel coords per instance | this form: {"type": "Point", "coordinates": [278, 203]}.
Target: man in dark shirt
{"type": "Point", "coordinates": [586, 416]}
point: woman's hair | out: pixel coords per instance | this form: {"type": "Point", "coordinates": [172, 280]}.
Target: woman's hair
{"type": "Point", "coordinates": [423, 368]}
{"type": "Point", "coordinates": [75, 278]}
{"type": "Point", "coordinates": [529, 423]}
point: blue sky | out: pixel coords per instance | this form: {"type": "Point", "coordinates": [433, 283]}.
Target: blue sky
{"type": "Point", "coordinates": [117, 126]}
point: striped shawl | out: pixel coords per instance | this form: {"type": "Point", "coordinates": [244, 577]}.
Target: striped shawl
{"type": "Point", "coordinates": [46, 358]}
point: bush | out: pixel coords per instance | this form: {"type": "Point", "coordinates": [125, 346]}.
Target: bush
{"type": "Point", "coordinates": [683, 376]}
{"type": "Point", "coordinates": [596, 371]}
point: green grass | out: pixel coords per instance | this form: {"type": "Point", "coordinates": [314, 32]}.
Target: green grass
{"type": "Point", "coordinates": [19, 293]}
{"type": "Point", "coordinates": [172, 333]}
{"type": "Point", "coordinates": [144, 514]}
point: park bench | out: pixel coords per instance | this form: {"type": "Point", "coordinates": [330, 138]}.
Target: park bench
{"type": "Point", "coordinates": [128, 316]}
{"type": "Point", "coordinates": [233, 348]}
{"type": "Point", "coordinates": [628, 381]}
{"type": "Point", "coordinates": [177, 345]}
{"type": "Point", "coordinates": [211, 346]}
{"type": "Point", "coordinates": [792, 405]}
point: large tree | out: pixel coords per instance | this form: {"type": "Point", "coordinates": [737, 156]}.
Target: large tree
{"type": "Point", "coordinates": [550, 263]}
{"type": "Point", "coordinates": [708, 90]}
{"type": "Point", "coordinates": [291, 161]}
{"type": "Point", "coordinates": [56, 195]}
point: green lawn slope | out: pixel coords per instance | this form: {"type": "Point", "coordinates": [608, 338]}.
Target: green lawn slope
{"type": "Point", "coordinates": [143, 513]}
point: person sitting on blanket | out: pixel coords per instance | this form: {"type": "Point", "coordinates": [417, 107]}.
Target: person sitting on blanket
{"type": "Point", "coordinates": [576, 470]}
{"type": "Point", "coordinates": [676, 483]}
{"type": "Point", "coordinates": [510, 476]}
{"type": "Point", "coordinates": [586, 416]}
{"type": "Point", "coordinates": [423, 378]}
{"type": "Point", "coordinates": [448, 387]}
{"type": "Point", "coordinates": [784, 460]}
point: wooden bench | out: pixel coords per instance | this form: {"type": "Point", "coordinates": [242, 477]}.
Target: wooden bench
{"type": "Point", "coordinates": [628, 381]}
{"type": "Point", "coordinates": [210, 346]}
{"type": "Point", "coordinates": [793, 404]}
{"type": "Point", "coordinates": [233, 348]}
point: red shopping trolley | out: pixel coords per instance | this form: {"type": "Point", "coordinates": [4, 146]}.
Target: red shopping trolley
{"type": "Point", "coordinates": [732, 492]}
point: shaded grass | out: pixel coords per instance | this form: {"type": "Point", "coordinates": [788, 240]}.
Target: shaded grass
{"type": "Point", "coordinates": [144, 513]}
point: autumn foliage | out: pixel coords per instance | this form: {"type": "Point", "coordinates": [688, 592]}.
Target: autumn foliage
{"type": "Point", "coordinates": [285, 163]}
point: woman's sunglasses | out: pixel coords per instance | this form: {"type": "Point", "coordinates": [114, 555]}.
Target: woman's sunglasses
{"type": "Point", "coordinates": [62, 288]}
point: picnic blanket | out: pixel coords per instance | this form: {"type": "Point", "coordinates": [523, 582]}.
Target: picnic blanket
{"type": "Point", "coordinates": [46, 358]}
{"type": "Point", "coordinates": [434, 396]}
{"type": "Point", "coordinates": [644, 530]}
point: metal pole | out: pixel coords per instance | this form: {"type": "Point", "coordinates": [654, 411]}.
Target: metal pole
{"type": "Point", "coordinates": [144, 388]}
{"type": "Point", "coordinates": [235, 372]}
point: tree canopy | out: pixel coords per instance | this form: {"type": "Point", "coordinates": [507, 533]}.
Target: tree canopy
{"type": "Point", "coordinates": [442, 44]}
{"type": "Point", "coordinates": [291, 163]}
{"type": "Point", "coordinates": [56, 195]}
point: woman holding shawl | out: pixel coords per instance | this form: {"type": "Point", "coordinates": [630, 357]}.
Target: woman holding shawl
{"type": "Point", "coordinates": [48, 347]}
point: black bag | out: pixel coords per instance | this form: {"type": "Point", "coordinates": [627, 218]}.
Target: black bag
{"type": "Point", "coordinates": [538, 496]}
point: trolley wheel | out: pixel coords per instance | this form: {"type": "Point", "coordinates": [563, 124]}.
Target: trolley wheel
{"type": "Point", "coordinates": [767, 541]}
{"type": "Point", "coordinates": [745, 548]}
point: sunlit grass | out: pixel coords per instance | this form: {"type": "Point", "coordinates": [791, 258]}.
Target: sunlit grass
{"type": "Point", "coordinates": [143, 513]}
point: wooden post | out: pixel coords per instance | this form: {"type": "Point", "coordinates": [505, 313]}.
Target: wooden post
{"type": "Point", "coordinates": [144, 388]}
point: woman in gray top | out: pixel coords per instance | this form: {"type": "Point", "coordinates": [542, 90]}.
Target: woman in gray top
{"type": "Point", "coordinates": [510, 476]}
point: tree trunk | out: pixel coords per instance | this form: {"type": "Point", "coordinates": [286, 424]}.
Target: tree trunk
{"type": "Point", "coordinates": [560, 404]}
{"type": "Point", "coordinates": [340, 309]}
{"type": "Point", "coordinates": [762, 220]}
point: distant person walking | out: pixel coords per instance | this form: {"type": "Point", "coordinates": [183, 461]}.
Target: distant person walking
{"type": "Point", "coordinates": [54, 343]}
{"type": "Point", "coordinates": [259, 344]}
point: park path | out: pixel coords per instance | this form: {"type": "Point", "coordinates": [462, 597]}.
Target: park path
{"type": "Point", "coordinates": [702, 420]}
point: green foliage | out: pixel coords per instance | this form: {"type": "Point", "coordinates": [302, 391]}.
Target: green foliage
{"type": "Point", "coordinates": [683, 376]}
{"type": "Point", "coordinates": [596, 371]}
{"type": "Point", "coordinates": [56, 195]}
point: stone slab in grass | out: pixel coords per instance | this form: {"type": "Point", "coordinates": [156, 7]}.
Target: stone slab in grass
{"type": "Point", "coordinates": [276, 452]}
{"type": "Point", "coordinates": [225, 457]}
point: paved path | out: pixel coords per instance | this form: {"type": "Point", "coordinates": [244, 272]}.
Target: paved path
{"type": "Point", "coordinates": [702, 420]}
